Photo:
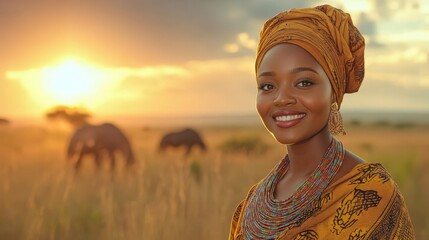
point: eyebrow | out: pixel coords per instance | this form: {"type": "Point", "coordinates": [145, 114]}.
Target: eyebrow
{"type": "Point", "coordinates": [303, 69]}
{"type": "Point", "coordinates": [266, 74]}
{"type": "Point", "coordinates": [295, 70]}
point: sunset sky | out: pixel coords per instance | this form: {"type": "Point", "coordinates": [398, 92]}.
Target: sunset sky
{"type": "Point", "coordinates": [189, 57]}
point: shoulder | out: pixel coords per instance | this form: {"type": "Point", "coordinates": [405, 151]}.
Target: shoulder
{"type": "Point", "coordinates": [370, 200]}
{"type": "Point", "coordinates": [367, 188]}
{"type": "Point", "coordinates": [390, 212]}
{"type": "Point", "coordinates": [240, 207]}
{"type": "Point", "coordinates": [365, 181]}
{"type": "Point", "coordinates": [350, 162]}
{"type": "Point", "coordinates": [373, 177]}
{"type": "Point", "coordinates": [365, 176]}
{"type": "Point", "coordinates": [238, 213]}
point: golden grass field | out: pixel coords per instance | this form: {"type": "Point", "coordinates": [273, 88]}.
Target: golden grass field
{"type": "Point", "coordinates": [168, 196]}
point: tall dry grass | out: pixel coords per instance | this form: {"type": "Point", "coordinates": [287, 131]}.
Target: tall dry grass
{"type": "Point", "coordinates": [169, 196]}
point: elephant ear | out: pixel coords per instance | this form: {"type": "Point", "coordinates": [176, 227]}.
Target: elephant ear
{"type": "Point", "coordinates": [79, 138]}
{"type": "Point", "coordinates": [90, 142]}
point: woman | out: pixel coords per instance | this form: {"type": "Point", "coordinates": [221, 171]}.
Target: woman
{"type": "Point", "coordinates": [307, 59]}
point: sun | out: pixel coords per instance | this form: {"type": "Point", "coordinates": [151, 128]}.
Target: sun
{"type": "Point", "coordinates": [71, 82]}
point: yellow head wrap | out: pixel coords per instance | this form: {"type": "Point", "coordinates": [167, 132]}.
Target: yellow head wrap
{"type": "Point", "coordinates": [329, 35]}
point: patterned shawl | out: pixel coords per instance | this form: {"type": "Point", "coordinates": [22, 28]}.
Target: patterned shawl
{"type": "Point", "coordinates": [363, 204]}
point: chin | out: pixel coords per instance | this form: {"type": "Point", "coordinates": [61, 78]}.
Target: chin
{"type": "Point", "coordinates": [286, 140]}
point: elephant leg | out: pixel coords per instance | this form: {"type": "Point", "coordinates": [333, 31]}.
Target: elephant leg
{"type": "Point", "coordinates": [188, 150]}
{"type": "Point", "coordinates": [202, 146]}
{"type": "Point", "coordinates": [130, 160]}
{"type": "Point", "coordinates": [112, 159]}
{"type": "Point", "coordinates": [97, 158]}
{"type": "Point", "coordinates": [78, 161]}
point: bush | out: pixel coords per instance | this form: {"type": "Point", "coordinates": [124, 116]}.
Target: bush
{"type": "Point", "coordinates": [355, 123]}
{"type": "Point", "coordinates": [249, 144]}
{"type": "Point", "coordinates": [196, 171]}
{"type": "Point", "coordinates": [382, 123]}
{"type": "Point", "coordinates": [404, 125]}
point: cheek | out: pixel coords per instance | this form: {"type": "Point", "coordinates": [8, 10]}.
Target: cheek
{"type": "Point", "coordinates": [319, 104]}
{"type": "Point", "coordinates": [262, 105]}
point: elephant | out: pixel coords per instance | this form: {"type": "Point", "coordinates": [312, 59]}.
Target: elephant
{"type": "Point", "coordinates": [187, 137]}
{"type": "Point", "coordinates": [98, 139]}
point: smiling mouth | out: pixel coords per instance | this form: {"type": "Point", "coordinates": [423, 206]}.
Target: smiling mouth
{"type": "Point", "coordinates": [285, 118]}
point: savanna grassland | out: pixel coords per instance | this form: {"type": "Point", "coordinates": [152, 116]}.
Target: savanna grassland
{"type": "Point", "coordinates": [169, 196]}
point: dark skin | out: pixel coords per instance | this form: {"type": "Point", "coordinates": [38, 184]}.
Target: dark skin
{"type": "Point", "coordinates": [303, 164]}
{"type": "Point", "coordinates": [293, 101]}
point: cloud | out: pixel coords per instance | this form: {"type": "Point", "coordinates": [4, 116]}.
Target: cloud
{"type": "Point", "coordinates": [212, 87]}
{"type": "Point", "coordinates": [128, 32]}
{"type": "Point", "coordinates": [53, 85]}
{"type": "Point", "coordinates": [193, 56]}
{"type": "Point", "coordinates": [406, 67]}
{"type": "Point", "coordinates": [13, 99]}
{"type": "Point", "coordinates": [243, 40]}
{"type": "Point", "coordinates": [385, 96]}
{"type": "Point", "coordinates": [231, 47]}
{"type": "Point", "coordinates": [227, 86]}
{"type": "Point", "coordinates": [135, 33]}
{"type": "Point", "coordinates": [396, 78]}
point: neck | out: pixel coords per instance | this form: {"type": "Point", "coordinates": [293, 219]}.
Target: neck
{"type": "Point", "coordinates": [305, 156]}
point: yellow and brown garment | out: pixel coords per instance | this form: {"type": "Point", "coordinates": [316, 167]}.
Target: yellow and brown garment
{"type": "Point", "coordinates": [363, 204]}
{"type": "Point", "coordinates": [329, 35]}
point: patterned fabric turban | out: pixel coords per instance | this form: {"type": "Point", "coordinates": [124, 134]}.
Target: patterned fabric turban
{"type": "Point", "coordinates": [329, 35]}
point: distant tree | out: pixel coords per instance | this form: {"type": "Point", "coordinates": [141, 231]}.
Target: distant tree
{"type": "Point", "coordinates": [355, 123]}
{"type": "Point", "coordinates": [74, 116]}
{"type": "Point", "coordinates": [4, 121]}
{"type": "Point", "coordinates": [382, 123]}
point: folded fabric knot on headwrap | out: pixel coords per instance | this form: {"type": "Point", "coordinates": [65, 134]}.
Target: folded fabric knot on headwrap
{"type": "Point", "coordinates": [329, 35]}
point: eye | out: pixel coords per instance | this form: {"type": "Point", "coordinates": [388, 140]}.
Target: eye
{"type": "Point", "coordinates": [266, 87]}
{"type": "Point", "coordinates": [305, 83]}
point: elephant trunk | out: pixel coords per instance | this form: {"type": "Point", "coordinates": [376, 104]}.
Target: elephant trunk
{"type": "Point", "coordinates": [71, 150]}
{"type": "Point", "coordinates": [162, 146]}
{"type": "Point", "coordinates": [128, 153]}
{"type": "Point", "coordinates": [203, 146]}
{"type": "Point", "coordinates": [130, 159]}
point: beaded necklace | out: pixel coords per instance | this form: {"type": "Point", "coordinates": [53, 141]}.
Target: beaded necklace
{"type": "Point", "coordinates": [266, 217]}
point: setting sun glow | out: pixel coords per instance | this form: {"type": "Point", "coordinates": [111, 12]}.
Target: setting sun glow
{"type": "Point", "coordinates": [71, 81]}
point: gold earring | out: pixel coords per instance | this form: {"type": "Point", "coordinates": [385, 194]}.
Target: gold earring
{"type": "Point", "coordinates": [336, 124]}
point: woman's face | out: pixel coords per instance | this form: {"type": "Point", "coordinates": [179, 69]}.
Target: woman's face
{"type": "Point", "coordinates": [294, 94]}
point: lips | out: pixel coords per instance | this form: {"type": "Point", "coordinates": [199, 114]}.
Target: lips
{"type": "Point", "coordinates": [286, 119]}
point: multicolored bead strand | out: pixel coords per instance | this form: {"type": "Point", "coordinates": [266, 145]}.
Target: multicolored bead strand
{"type": "Point", "coordinates": [266, 217]}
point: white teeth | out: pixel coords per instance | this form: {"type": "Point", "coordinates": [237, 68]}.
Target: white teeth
{"type": "Point", "coordinates": [285, 118]}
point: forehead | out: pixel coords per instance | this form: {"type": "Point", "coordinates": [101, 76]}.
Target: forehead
{"type": "Point", "coordinates": [288, 55]}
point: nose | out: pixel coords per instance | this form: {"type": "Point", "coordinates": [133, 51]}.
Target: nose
{"type": "Point", "coordinates": [284, 98]}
